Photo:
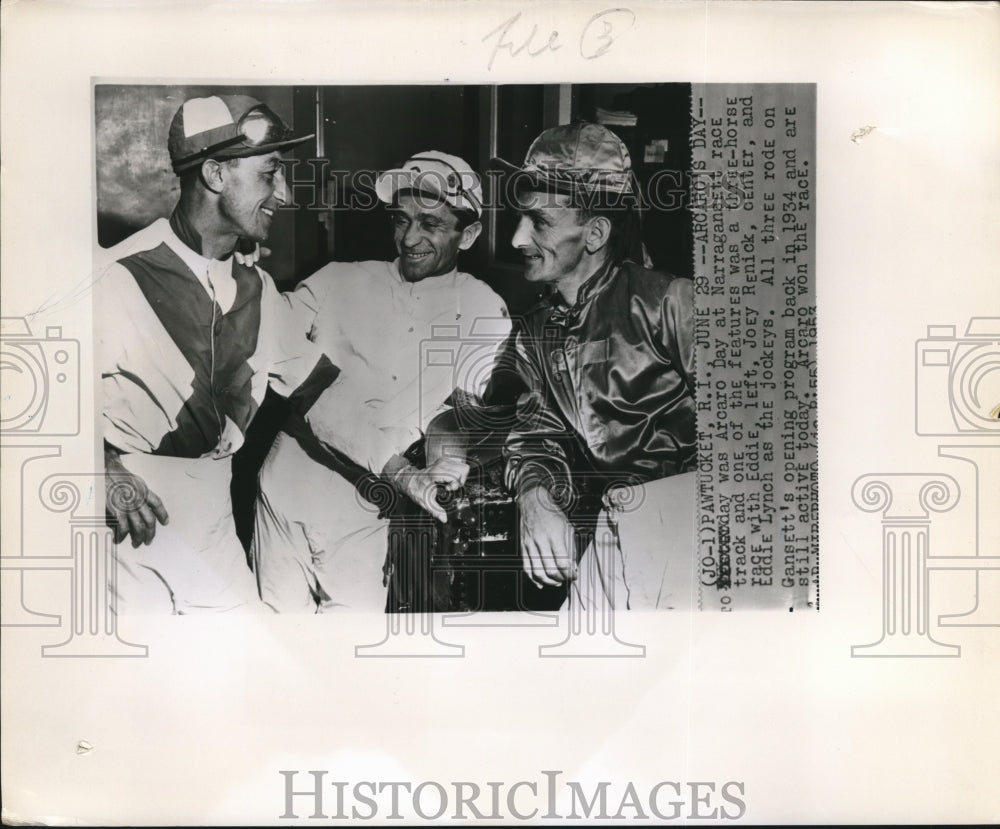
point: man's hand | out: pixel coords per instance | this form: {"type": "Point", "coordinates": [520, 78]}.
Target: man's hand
{"type": "Point", "coordinates": [421, 485]}
{"type": "Point", "coordinates": [131, 508]}
{"type": "Point", "coordinates": [546, 535]}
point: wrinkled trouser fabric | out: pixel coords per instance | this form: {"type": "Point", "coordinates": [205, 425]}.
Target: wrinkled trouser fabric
{"type": "Point", "coordinates": [195, 563]}
{"type": "Point", "coordinates": [644, 554]}
{"type": "Point", "coordinates": [318, 546]}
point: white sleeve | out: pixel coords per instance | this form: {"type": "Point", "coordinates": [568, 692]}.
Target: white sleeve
{"type": "Point", "coordinates": [488, 326]}
{"type": "Point", "coordinates": [306, 300]}
{"type": "Point", "coordinates": [295, 366]}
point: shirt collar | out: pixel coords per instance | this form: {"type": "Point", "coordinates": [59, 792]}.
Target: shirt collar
{"type": "Point", "coordinates": [592, 286]}
{"type": "Point", "coordinates": [430, 280]}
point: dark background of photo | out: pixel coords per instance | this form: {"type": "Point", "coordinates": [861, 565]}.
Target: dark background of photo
{"type": "Point", "coordinates": [375, 128]}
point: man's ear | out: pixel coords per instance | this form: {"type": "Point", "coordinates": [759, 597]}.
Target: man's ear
{"type": "Point", "coordinates": [469, 235]}
{"type": "Point", "coordinates": [212, 174]}
{"type": "Point", "coordinates": [598, 233]}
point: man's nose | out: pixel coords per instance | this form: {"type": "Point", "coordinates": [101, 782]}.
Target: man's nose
{"type": "Point", "coordinates": [280, 186]}
{"type": "Point", "coordinates": [522, 234]}
{"type": "Point", "coordinates": [412, 235]}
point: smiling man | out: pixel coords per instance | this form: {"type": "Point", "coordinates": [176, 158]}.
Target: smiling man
{"type": "Point", "coordinates": [318, 545]}
{"type": "Point", "coordinates": [609, 364]}
{"type": "Point", "coordinates": [188, 339]}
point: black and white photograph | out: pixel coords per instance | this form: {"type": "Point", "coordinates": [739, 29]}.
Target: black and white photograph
{"type": "Point", "coordinates": [543, 409]}
{"type": "Point", "coordinates": [495, 412]}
